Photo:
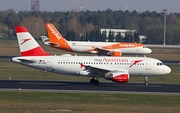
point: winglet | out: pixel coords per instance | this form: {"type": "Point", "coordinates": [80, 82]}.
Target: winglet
{"type": "Point", "coordinates": [27, 44]}
{"type": "Point", "coordinates": [56, 37]}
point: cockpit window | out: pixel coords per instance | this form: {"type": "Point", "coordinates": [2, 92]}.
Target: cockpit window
{"type": "Point", "coordinates": [159, 64]}
{"type": "Point", "coordinates": [144, 47]}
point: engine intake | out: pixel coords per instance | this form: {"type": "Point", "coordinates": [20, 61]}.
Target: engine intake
{"type": "Point", "coordinates": [114, 53]}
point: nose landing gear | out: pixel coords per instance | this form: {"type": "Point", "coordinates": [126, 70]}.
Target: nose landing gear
{"type": "Point", "coordinates": [146, 80]}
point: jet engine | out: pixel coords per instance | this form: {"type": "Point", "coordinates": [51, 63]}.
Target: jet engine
{"type": "Point", "coordinates": [118, 77]}
{"type": "Point", "coordinates": [114, 53]}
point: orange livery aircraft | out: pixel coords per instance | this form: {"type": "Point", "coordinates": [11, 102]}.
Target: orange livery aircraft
{"type": "Point", "coordinates": [56, 40]}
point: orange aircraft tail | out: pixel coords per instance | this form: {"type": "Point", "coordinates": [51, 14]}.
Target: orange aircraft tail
{"type": "Point", "coordinates": [56, 39]}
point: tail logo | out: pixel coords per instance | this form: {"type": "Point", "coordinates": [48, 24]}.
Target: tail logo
{"type": "Point", "coordinates": [25, 40]}
{"type": "Point", "coordinates": [54, 32]}
{"type": "Point", "coordinates": [135, 62]}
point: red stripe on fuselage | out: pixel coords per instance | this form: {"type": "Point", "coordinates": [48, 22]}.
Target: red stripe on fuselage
{"type": "Point", "coordinates": [35, 52]}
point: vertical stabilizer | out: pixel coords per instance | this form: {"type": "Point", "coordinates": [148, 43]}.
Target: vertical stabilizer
{"type": "Point", "coordinates": [56, 39]}
{"type": "Point", "coordinates": [27, 44]}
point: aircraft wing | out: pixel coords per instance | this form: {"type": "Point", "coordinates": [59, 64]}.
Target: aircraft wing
{"type": "Point", "coordinates": [114, 74]}
{"type": "Point", "coordinates": [108, 52]}
{"type": "Point", "coordinates": [102, 70]}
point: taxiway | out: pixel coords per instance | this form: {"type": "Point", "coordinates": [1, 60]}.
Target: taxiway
{"type": "Point", "coordinates": [73, 86]}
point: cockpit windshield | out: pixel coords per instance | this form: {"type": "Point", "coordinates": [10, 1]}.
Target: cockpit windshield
{"type": "Point", "coordinates": [159, 64]}
{"type": "Point", "coordinates": [144, 47]}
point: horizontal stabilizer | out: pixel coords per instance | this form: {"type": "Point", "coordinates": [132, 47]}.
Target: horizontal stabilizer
{"type": "Point", "coordinates": [48, 43]}
{"type": "Point", "coordinates": [27, 61]}
{"type": "Point", "coordinates": [54, 44]}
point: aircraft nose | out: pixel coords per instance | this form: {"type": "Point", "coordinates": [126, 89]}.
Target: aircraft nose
{"type": "Point", "coordinates": [149, 50]}
{"type": "Point", "coordinates": [166, 70]}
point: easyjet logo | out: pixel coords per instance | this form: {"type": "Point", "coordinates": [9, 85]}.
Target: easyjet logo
{"type": "Point", "coordinates": [25, 40]}
{"type": "Point", "coordinates": [55, 32]}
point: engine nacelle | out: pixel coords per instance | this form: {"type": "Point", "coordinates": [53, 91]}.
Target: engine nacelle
{"type": "Point", "coordinates": [118, 77]}
{"type": "Point", "coordinates": [114, 53]}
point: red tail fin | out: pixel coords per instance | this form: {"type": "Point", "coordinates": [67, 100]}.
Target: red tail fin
{"type": "Point", "coordinates": [28, 46]}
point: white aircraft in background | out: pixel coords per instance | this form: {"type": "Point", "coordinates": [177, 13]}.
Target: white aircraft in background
{"type": "Point", "coordinates": [117, 69]}
{"type": "Point", "coordinates": [101, 48]}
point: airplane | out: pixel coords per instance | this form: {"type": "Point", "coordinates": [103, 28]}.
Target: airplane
{"type": "Point", "coordinates": [116, 69]}
{"type": "Point", "coordinates": [56, 40]}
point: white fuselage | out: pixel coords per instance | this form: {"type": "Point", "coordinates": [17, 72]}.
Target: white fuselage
{"type": "Point", "coordinates": [130, 49]}
{"type": "Point", "coordinates": [125, 48]}
{"type": "Point", "coordinates": [84, 46]}
{"type": "Point", "coordinates": [71, 64]}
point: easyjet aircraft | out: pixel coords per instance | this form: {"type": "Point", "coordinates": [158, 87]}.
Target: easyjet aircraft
{"type": "Point", "coordinates": [117, 69]}
{"type": "Point", "coordinates": [101, 48]}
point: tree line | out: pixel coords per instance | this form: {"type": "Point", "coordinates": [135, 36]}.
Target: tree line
{"type": "Point", "coordinates": [86, 25]}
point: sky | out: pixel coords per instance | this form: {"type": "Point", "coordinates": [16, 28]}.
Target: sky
{"type": "Point", "coordinates": [94, 5]}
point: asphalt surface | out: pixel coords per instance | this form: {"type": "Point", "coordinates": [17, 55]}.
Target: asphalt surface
{"type": "Point", "coordinates": [73, 86]}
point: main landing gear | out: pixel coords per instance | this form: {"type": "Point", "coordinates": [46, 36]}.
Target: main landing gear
{"type": "Point", "coordinates": [146, 80]}
{"type": "Point", "coordinates": [95, 82]}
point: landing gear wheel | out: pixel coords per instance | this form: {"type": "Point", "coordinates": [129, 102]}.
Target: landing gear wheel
{"type": "Point", "coordinates": [146, 83]}
{"type": "Point", "coordinates": [96, 82]}
{"type": "Point", "coordinates": [92, 81]}
{"type": "Point", "coordinates": [146, 80]}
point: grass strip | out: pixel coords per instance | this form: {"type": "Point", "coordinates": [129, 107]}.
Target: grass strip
{"type": "Point", "coordinates": [46, 102]}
